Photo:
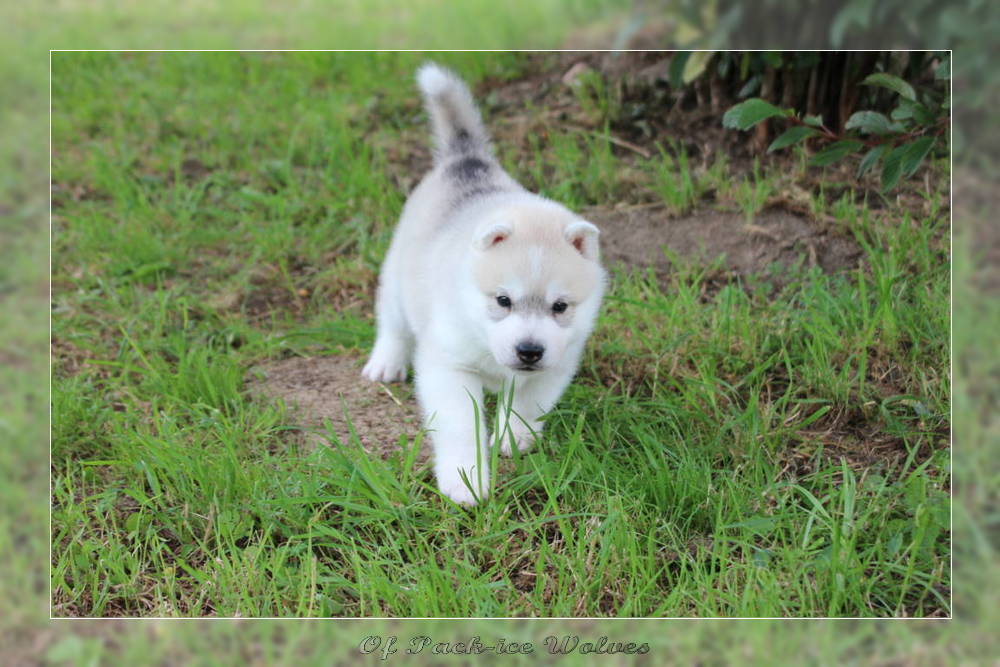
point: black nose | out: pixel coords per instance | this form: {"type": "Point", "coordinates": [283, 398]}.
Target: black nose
{"type": "Point", "coordinates": [529, 352]}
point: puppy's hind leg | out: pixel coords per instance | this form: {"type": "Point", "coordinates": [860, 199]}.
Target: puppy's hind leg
{"type": "Point", "coordinates": [393, 341]}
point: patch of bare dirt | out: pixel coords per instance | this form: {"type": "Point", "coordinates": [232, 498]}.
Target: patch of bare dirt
{"type": "Point", "coordinates": [637, 236]}
{"type": "Point", "coordinates": [846, 434]}
{"type": "Point", "coordinates": [68, 359]}
{"type": "Point", "coordinates": [193, 169]}
{"type": "Point", "coordinates": [864, 443]}
{"type": "Point", "coordinates": [269, 291]}
{"type": "Point", "coordinates": [407, 154]}
{"type": "Point", "coordinates": [323, 390]}
{"type": "Point", "coordinates": [344, 287]}
{"type": "Point", "coordinates": [78, 192]}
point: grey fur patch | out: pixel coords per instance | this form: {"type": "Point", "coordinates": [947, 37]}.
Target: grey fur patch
{"type": "Point", "coordinates": [538, 306]}
{"type": "Point", "coordinates": [461, 142]}
{"type": "Point", "coordinates": [469, 170]}
{"type": "Point", "coordinates": [473, 178]}
{"type": "Point", "coordinates": [533, 304]}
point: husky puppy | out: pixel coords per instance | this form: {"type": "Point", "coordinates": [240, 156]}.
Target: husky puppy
{"type": "Point", "coordinates": [485, 286]}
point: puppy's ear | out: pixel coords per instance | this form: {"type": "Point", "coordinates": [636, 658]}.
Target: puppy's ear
{"type": "Point", "coordinates": [492, 235]}
{"type": "Point", "coordinates": [583, 236]}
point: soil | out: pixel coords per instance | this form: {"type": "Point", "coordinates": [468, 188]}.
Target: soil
{"type": "Point", "coordinates": [637, 237]}
{"type": "Point", "coordinates": [329, 392]}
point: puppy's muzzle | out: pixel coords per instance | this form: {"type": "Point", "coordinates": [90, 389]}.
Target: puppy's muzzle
{"type": "Point", "coordinates": [530, 353]}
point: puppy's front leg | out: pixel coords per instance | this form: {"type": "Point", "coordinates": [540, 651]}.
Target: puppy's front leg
{"type": "Point", "coordinates": [533, 397]}
{"type": "Point", "coordinates": [452, 401]}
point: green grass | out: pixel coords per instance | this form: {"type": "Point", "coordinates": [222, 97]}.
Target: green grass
{"type": "Point", "coordinates": [753, 191]}
{"type": "Point", "coordinates": [674, 181]}
{"type": "Point", "coordinates": [723, 452]}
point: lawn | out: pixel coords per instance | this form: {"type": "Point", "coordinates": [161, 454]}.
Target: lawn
{"type": "Point", "coordinates": [766, 440]}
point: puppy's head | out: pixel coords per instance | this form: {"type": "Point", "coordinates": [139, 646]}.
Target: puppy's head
{"type": "Point", "coordinates": [538, 282]}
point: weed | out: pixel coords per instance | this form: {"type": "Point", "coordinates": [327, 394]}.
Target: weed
{"type": "Point", "coordinates": [674, 181]}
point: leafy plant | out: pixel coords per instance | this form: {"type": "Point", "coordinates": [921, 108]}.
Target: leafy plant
{"type": "Point", "coordinates": [900, 141]}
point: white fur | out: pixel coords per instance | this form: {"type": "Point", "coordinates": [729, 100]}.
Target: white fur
{"type": "Point", "coordinates": [449, 104]}
{"type": "Point", "coordinates": [432, 79]}
{"type": "Point", "coordinates": [437, 304]}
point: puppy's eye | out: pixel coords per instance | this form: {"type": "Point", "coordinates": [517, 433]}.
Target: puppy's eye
{"type": "Point", "coordinates": [559, 307]}
{"type": "Point", "coordinates": [503, 301]}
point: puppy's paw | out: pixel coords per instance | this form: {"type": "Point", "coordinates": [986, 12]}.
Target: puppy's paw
{"type": "Point", "coordinates": [454, 487]}
{"type": "Point", "coordinates": [524, 440]}
{"type": "Point", "coordinates": [382, 367]}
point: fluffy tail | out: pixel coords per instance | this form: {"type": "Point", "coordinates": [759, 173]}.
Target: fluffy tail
{"type": "Point", "coordinates": [455, 121]}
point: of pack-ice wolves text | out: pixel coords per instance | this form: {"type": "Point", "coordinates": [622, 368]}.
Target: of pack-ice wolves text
{"type": "Point", "coordinates": [486, 286]}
